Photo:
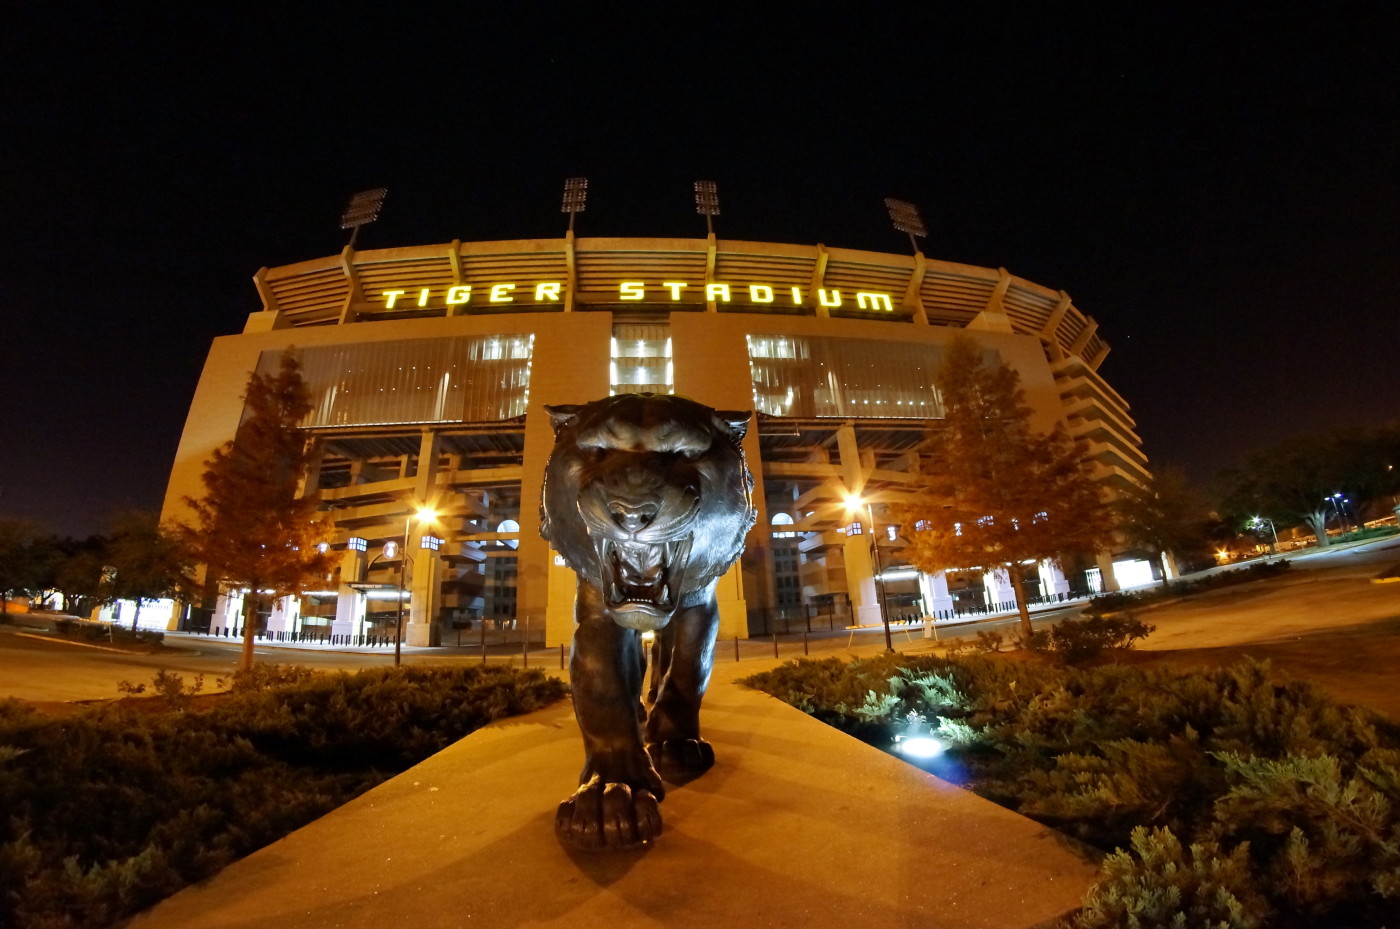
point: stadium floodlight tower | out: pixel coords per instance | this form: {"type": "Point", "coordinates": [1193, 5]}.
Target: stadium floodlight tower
{"type": "Point", "coordinates": [362, 210]}
{"type": "Point", "coordinates": [707, 203]}
{"type": "Point", "coordinates": [906, 218]}
{"type": "Point", "coordinates": [575, 197]}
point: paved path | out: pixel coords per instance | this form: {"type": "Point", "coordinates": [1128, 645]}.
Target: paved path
{"type": "Point", "coordinates": [797, 825]}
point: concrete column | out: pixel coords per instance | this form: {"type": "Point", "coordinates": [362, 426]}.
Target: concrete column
{"type": "Point", "coordinates": [349, 602]}
{"type": "Point", "coordinates": [285, 611]}
{"type": "Point", "coordinates": [849, 449]}
{"type": "Point", "coordinates": [559, 609]}
{"type": "Point", "coordinates": [422, 608]}
{"type": "Point", "coordinates": [860, 578]}
{"type": "Point", "coordinates": [570, 366]}
{"type": "Point", "coordinates": [733, 610]}
{"type": "Point", "coordinates": [1104, 560]}
{"type": "Point", "coordinates": [425, 481]}
{"type": "Point", "coordinates": [228, 611]}
{"type": "Point", "coordinates": [998, 586]}
{"type": "Point", "coordinates": [1053, 579]}
{"type": "Point", "coordinates": [1169, 568]}
{"type": "Point", "coordinates": [701, 349]}
{"type": "Point", "coordinates": [933, 588]}
{"type": "Point", "coordinates": [425, 584]}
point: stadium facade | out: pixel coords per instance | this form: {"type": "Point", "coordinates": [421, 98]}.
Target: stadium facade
{"type": "Point", "coordinates": [430, 367]}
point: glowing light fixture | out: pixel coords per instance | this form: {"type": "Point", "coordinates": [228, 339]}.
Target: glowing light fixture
{"type": "Point", "coordinates": [362, 210]}
{"type": "Point", "coordinates": [1259, 522]}
{"type": "Point", "coordinates": [918, 746]}
{"type": "Point", "coordinates": [575, 198]}
{"type": "Point", "coordinates": [707, 203]}
{"type": "Point", "coordinates": [905, 217]}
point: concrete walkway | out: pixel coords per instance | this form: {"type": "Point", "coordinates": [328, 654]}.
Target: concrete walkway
{"type": "Point", "coordinates": [797, 825]}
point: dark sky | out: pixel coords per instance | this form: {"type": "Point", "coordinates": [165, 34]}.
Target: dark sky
{"type": "Point", "coordinates": [1217, 185]}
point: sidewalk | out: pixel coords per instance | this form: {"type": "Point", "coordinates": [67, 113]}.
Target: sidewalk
{"type": "Point", "coordinates": [797, 825]}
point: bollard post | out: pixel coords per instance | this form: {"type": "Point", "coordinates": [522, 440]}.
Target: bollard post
{"type": "Point", "coordinates": [483, 641]}
{"type": "Point", "coordinates": [775, 645]}
{"type": "Point", "coordinates": [525, 646]}
{"type": "Point", "coordinates": [561, 656]}
{"type": "Point", "coordinates": [804, 644]}
{"type": "Point", "coordinates": [736, 648]}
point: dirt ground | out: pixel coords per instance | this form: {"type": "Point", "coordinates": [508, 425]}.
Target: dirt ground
{"type": "Point", "coordinates": [1336, 629]}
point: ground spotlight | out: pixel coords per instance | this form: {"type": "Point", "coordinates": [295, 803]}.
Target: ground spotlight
{"type": "Point", "coordinates": [918, 746]}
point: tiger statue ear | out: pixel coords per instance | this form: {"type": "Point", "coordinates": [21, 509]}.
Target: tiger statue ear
{"type": "Point", "coordinates": [561, 415]}
{"type": "Point", "coordinates": [735, 422]}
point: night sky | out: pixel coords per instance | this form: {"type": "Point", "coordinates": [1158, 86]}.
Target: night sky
{"type": "Point", "coordinates": [1216, 185]}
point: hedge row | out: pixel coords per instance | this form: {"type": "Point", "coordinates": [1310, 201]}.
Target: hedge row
{"type": "Point", "coordinates": [109, 811]}
{"type": "Point", "coordinates": [1230, 798]}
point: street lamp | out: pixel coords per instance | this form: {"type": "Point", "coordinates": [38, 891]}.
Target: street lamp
{"type": "Point", "coordinates": [425, 514]}
{"type": "Point", "coordinates": [854, 504]}
{"type": "Point", "coordinates": [1338, 506]}
{"type": "Point", "coordinates": [1258, 523]}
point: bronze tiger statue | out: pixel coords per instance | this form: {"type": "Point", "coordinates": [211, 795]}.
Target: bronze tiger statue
{"type": "Point", "coordinates": [648, 499]}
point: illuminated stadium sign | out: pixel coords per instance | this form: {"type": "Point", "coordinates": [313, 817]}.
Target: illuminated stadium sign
{"type": "Point", "coordinates": [671, 291]}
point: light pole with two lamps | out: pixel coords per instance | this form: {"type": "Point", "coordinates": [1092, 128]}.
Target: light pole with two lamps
{"type": "Point", "coordinates": [1259, 522]}
{"type": "Point", "coordinates": [424, 514]}
{"type": "Point", "coordinates": [1339, 506]}
{"type": "Point", "coordinates": [854, 504]}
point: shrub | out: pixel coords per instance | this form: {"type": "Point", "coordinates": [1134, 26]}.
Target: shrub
{"type": "Point", "coordinates": [263, 676]}
{"type": "Point", "coordinates": [169, 687]}
{"type": "Point", "coordinates": [107, 811]}
{"type": "Point", "coordinates": [1287, 804]}
{"type": "Point", "coordinates": [1159, 883]}
{"type": "Point", "coordinates": [989, 641]}
{"type": "Point", "coordinates": [84, 631]}
{"type": "Point", "coordinates": [1112, 602]}
{"type": "Point", "coordinates": [1076, 641]}
{"type": "Point", "coordinates": [1117, 601]}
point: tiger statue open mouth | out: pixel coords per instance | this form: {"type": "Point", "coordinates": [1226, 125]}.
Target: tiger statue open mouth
{"type": "Point", "coordinates": [648, 499]}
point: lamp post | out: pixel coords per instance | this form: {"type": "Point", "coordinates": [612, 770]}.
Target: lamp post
{"type": "Point", "coordinates": [853, 505]}
{"type": "Point", "coordinates": [1258, 523]}
{"type": "Point", "coordinates": [1338, 506]}
{"type": "Point", "coordinates": [425, 515]}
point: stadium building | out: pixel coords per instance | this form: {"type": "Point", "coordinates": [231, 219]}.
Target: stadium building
{"type": "Point", "coordinates": [430, 367]}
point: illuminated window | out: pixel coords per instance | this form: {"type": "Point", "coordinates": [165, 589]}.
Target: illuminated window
{"type": "Point", "coordinates": [462, 379]}
{"type": "Point", "coordinates": [509, 526]}
{"type": "Point", "coordinates": [815, 377]}
{"type": "Point", "coordinates": [641, 359]}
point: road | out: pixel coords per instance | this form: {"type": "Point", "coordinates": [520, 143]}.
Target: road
{"type": "Point", "coordinates": [38, 668]}
{"type": "Point", "coordinates": [34, 667]}
{"type": "Point", "coordinates": [1329, 590]}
